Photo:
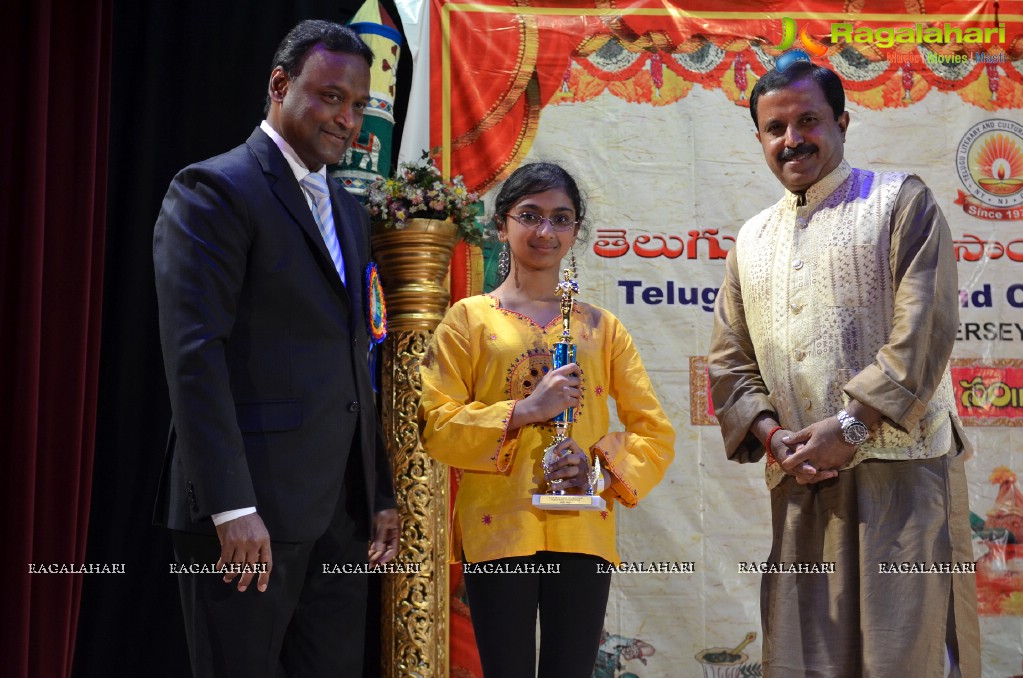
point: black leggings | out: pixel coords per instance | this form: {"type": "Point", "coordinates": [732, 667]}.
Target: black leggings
{"type": "Point", "coordinates": [571, 602]}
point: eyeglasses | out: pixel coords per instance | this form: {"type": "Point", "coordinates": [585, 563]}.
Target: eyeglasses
{"type": "Point", "coordinates": [559, 222]}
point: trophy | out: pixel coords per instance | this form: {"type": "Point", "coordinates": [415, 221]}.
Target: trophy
{"type": "Point", "coordinates": [563, 352]}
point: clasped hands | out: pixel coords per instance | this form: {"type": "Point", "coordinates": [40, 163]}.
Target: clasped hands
{"type": "Point", "coordinates": [571, 466]}
{"type": "Point", "coordinates": [557, 391]}
{"type": "Point", "coordinates": [813, 454]}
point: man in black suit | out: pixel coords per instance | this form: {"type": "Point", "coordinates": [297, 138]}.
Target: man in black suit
{"type": "Point", "coordinates": [275, 459]}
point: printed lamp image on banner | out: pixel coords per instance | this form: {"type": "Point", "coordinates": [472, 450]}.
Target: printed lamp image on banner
{"type": "Point", "coordinates": [369, 158]}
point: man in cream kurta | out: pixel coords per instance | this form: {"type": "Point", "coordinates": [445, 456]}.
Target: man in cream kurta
{"type": "Point", "coordinates": [832, 335]}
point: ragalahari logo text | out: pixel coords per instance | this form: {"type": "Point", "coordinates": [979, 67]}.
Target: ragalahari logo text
{"type": "Point", "coordinates": [989, 161]}
{"type": "Point", "coordinates": [886, 37]}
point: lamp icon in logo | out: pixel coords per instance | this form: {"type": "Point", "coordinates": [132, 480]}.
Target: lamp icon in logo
{"type": "Point", "coordinates": [1001, 166]}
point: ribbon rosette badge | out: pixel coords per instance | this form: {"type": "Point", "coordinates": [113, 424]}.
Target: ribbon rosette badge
{"type": "Point", "coordinates": [376, 307]}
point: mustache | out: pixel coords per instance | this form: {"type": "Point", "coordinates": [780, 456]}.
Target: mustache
{"type": "Point", "coordinates": [790, 153]}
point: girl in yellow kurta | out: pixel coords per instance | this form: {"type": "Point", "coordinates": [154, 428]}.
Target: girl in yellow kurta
{"type": "Point", "coordinates": [489, 394]}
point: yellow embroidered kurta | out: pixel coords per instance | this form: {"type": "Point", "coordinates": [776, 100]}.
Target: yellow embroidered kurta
{"type": "Point", "coordinates": [485, 358]}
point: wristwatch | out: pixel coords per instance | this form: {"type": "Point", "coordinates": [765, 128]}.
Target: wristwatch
{"type": "Point", "coordinates": [854, 431]}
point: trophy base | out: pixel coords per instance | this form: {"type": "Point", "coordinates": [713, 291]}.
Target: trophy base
{"type": "Point", "coordinates": [569, 502]}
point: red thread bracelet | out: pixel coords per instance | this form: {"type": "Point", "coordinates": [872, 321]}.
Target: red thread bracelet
{"type": "Point", "coordinates": [770, 434]}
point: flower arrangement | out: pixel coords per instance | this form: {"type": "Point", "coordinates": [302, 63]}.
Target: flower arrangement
{"type": "Point", "coordinates": [417, 190]}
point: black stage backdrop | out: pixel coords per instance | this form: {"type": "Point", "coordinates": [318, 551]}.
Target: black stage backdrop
{"type": "Point", "coordinates": [188, 82]}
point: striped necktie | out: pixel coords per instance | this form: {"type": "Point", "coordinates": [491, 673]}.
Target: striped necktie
{"type": "Point", "coordinates": [316, 185]}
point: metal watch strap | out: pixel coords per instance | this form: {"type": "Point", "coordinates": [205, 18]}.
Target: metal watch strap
{"type": "Point", "coordinates": [854, 431]}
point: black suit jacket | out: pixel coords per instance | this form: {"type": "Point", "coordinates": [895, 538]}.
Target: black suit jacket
{"type": "Point", "coordinates": [265, 350]}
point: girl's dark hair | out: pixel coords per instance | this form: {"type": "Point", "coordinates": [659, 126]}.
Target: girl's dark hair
{"type": "Point", "coordinates": [537, 177]}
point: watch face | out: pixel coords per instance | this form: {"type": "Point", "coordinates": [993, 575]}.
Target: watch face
{"type": "Point", "coordinates": [855, 433]}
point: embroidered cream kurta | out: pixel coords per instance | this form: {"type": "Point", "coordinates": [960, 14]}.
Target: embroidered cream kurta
{"type": "Point", "coordinates": [483, 359]}
{"type": "Point", "coordinates": [853, 294]}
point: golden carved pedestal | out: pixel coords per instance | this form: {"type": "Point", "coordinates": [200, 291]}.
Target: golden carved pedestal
{"type": "Point", "coordinates": [415, 606]}
{"type": "Point", "coordinates": [414, 612]}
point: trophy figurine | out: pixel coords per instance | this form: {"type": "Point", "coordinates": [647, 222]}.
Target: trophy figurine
{"type": "Point", "coordinates": [563, 352]}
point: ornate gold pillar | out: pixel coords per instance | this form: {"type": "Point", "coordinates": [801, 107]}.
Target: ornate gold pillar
{"type": "Point", "coordinates": [415, 606]}
{"type": "Point", "coordinates": [415, 632]}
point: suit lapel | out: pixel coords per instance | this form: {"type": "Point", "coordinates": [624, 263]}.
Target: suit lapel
{"type": "Point", "coordinates": [282, 182]}
{"type": "Point", "coordinates": [347, 225]}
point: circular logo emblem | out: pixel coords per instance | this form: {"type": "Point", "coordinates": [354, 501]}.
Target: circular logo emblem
{"type": "Point", "coordinates": [989, 161]}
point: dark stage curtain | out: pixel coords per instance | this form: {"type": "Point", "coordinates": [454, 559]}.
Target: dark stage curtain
{"type": "Point", "coordinates": [189, 79]}
{"type": "Point", "coordinates": [53, 186]}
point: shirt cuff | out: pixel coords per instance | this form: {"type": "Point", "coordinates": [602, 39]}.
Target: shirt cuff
{"type": "Point", "coordinates": [736, 424]}
{"type": "Point", "coordinates": [875, 388]}
{"type": "Point", "coordinates": [221, 518]}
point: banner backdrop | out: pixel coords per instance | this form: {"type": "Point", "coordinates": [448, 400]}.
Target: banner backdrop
{"type": "Point", "coordinates": [646, 103]}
